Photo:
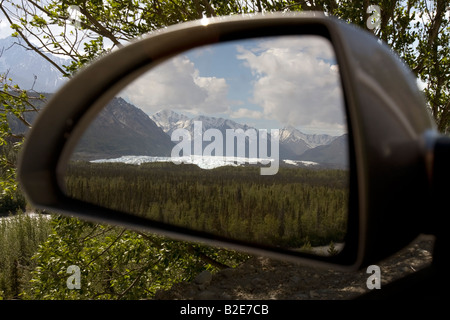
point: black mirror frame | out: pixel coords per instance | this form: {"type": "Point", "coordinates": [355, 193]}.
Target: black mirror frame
{"type": "Point", "coordinates": [69, 112]}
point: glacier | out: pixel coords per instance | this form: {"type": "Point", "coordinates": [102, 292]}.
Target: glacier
{"type": "Point", "coordinates": [203, 162]}
{"type": "Point", "coordinates": [300, 162]}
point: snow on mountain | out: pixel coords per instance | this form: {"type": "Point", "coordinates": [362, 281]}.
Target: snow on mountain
{"type": "Point", "coordinates": [292, 135]}
{"type": "Point", "coordinates": [293, 142]}
{"type": "Point", "coordinates": [169, 121]}
{"type": "Point", "coordinates": [220, 123]}
{"type": "Point", "coordinates": [335, 153]}
{"type": "Point", "coordinates": [318, 149]}
{"type": "Point", "coordinates": [28, 69]}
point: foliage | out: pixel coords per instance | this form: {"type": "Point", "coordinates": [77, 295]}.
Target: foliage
{"type": "Point", "coordinates": [20, 237]}
{"type": "Point", "coordinates": [11, 199]}
{"type": "Point", "coordinates": [116, 263]}
{"type": "Point", "coordinates": [419, 32]}
{"type": "Point", "coordinates": [16, 107]}
{"type": "Point", "coordinates": [332, 250]}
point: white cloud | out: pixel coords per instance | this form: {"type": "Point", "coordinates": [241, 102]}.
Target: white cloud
{"type": "Point", "coordinates": [177, 85]}
{"type": "Point", "coordinates": [289, 80]}
{"type": "Point", "coordinates": [5, 29]}
{"type": "Point", "coordinates": [246, 113]}
{"type": "Point", "coordinates": [296, 81]}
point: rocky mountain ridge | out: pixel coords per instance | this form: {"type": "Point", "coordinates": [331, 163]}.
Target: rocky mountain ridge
{"type": "Point", "coordinates": [294, 144]}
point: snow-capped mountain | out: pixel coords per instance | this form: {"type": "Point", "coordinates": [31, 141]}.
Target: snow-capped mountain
{"type": "Point", "coordinates": [118, 133]}
{"type": "Point", "coordinates": [293, 142]}
{"type": "Point", "coordinates": [290, 133]}
{"type": "Point", "coordinates": [335, 153]}
{"type": "Point", "coordinates": [28, 69]}
{"type": "Point", "coordinates": [169, 121]}
{"type": "Point", "coordinates": [109, 137]}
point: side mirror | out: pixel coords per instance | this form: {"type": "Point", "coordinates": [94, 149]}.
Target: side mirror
{"type": "Point", "coordinates": [354, 172]}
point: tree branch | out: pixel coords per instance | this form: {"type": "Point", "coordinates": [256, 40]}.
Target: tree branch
{"type": "Point", "coordinates": [108, 247]}
{"type": "Point", "coordinates": [30, 45]}
{"type": "Point", "coordinates": [433, 32]}
{"type": "Point", "coordinates": [123, 293]}
{"type": "Point", "coordinates": [100, 29]}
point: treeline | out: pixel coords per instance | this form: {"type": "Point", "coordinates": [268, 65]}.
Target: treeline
{"type": "Point", "coordinates": [293, 208]}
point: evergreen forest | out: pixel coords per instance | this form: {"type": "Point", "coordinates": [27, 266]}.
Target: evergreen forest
{"type": "Point", "coordinates": [295, 208]}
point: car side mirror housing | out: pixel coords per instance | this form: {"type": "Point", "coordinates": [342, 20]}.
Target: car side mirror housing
{"type": "Point", "coordinates": [388, 134]}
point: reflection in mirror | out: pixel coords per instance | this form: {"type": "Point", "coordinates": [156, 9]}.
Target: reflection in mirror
{"type": "Point", "coordinates": [245, 139]}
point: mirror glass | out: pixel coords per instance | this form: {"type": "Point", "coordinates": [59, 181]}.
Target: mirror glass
{"type": "Point", "coordinates": [244, 139]}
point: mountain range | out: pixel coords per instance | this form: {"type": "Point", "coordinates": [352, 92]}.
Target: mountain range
{"type": "Point", "coordinates": [122, 129]}
{"type": "Point", "coordinates": [28, 69]}
{"type": "Point", "coordinates": [294, 144]}
{"type": "Point", "coordinates": [169, 120]}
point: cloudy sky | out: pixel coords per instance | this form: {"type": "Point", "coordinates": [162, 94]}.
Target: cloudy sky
{"type": "Point", "coordinates": [267, 82]}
